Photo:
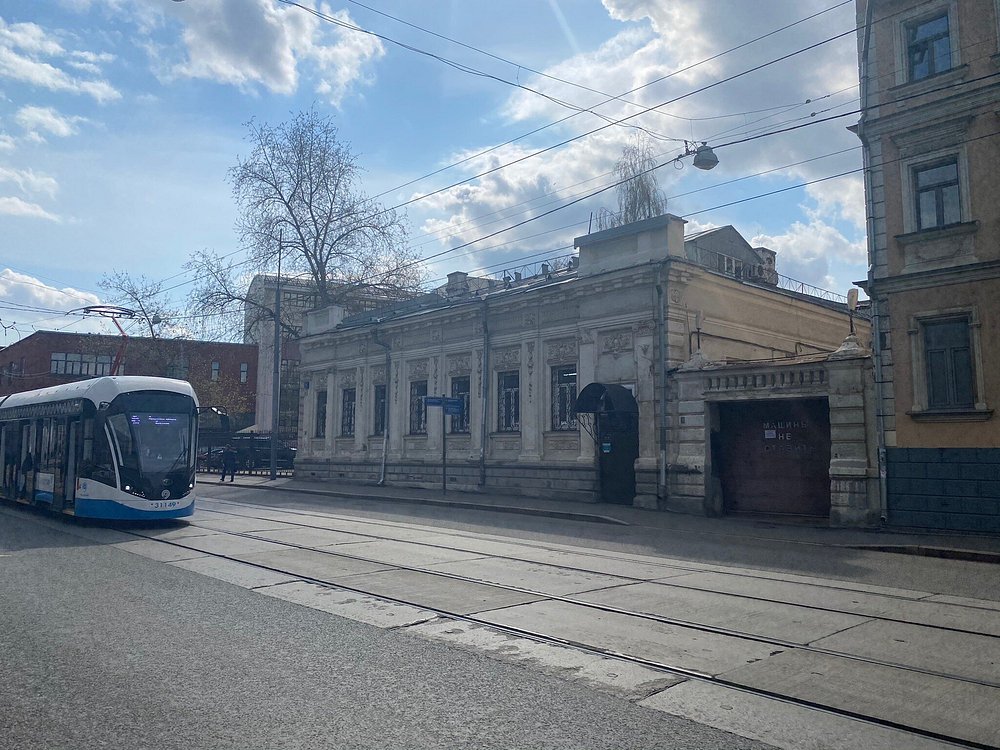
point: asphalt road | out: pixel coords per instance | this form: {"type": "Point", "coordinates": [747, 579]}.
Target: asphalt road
{"type": "Point", "coordinates": [101, 648]}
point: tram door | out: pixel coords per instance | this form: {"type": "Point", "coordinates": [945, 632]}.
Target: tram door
{"type": "Point", "coordinates": [69, 484]}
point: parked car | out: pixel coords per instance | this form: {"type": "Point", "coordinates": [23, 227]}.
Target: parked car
{"type": "Point", "coordinates": [253, 451]}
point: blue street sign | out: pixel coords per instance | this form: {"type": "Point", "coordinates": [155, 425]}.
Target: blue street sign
{"type": "Point", "coordinates": [453, 406]}
{"type": "Point", "coordinates": [432, 401]}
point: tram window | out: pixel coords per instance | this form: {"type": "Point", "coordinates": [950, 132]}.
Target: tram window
{"type": "Point", "coordinates": [97, 461]}
{"type": "Point", "coordinates": [120, 427]}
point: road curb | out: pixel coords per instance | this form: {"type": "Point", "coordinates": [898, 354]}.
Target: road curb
{"type": "Point", "coordinates": [947, 553]}
{"type": "Point", "coordinates": [564, 515]}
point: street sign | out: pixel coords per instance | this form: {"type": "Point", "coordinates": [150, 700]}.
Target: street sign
{"type": "Point", "coordinates": [451, 406]}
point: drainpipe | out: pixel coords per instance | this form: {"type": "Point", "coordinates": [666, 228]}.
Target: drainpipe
{"type": "Point", "coordinates": [388, 393]}
{"type": "Point", "coordinates": [876, 313]}
{"type": "Point", "coordinates": [484, 411]}
{"type": "Point", "coordinates": [661, 333]}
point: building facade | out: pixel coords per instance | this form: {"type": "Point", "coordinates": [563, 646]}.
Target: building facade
{"type": "Point", "coordinates": [931, 141]}
{"type": "Point", "coordinates": [223, 375]}
{"type": "Point", "coordinates": [562, 376]}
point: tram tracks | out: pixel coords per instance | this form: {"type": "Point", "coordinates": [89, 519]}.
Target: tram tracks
{"type": "Point", "coordinates": [667, 566]}
{"type": "Point", "coordinates": [483, 618]}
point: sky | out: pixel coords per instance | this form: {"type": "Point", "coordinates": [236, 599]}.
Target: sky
{"type": "Point", "coordinates": [120, 120]}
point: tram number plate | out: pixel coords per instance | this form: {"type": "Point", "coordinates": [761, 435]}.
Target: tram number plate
{"type": "Point", "coordinates": [163, 504]}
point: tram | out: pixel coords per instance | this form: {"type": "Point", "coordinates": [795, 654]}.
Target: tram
{"type": "Point", "coordinates": [111, 447]}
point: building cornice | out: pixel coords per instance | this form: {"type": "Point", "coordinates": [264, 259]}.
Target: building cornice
{"type": "Point", "coordinates": [966, 274]}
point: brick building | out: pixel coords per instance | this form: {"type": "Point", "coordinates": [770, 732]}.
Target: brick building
{"type": "Point", "coordinates": [222, 374]}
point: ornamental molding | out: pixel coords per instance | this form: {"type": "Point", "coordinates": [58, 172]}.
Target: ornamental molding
{"type": "Point", "coordinates": [349, 379]}
{"type": "Point", "coordinates": [417, 369]}
{"type": "Point", "coordinates": [645, 327]}
{"type": "Point", "coordinates": [507, 358]}
{"type": "Point", "coordinates": [378, 374]}
{"type": "Point", "coordinates": [616, 342]}
{"type": "Point", "coordinates": [561, 352]}
{"type": "Point", "coordinates": [460, 364]}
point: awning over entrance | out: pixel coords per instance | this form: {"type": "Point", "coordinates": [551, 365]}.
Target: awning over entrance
{"type": "Point", "coordinates": [598, 397]}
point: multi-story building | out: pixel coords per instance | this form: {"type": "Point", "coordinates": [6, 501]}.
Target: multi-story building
{"type": "Point", "coordinates": [298, 296]}
{"type": "Point", "coordinates": [569, 382]}
{"type": "Point", "coordinates": [223, 375]}
{"type": "Point", "coordinates": [931, 137]}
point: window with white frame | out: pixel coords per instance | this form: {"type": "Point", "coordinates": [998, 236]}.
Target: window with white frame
{"type": "Point", "coordinates": [244, 372]}
{"type": "Point", "coordinates": [564, 397]}
{"type": "Point", "coordinates": [509, 401]}
{"type": "Point", "coordinates": [937, 194]}
{"type": "Point", "coordinates": [347, 403]}
{"type": "Point", "coordinates": [418, 407]}
{"type": "Point", "coordinates": [215, 370]}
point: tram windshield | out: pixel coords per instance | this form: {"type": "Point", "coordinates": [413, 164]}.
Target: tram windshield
{"type": "Point", "coordinates": [155, 442]}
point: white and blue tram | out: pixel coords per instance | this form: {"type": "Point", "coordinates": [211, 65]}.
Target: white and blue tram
{"type": "Point", "coordinates": [111, 447]}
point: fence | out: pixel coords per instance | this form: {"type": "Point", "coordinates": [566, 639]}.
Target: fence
{"type": "Point", "coordinates": [253, 452]}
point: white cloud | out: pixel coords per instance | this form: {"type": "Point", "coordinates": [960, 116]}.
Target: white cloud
{"type": "Point", "coordinates": [29, 182]}
{"type": "Point", "coordinates": [27, 290]}
{"type": "Point", "coordinates": [22, 47]}
{"type": "Point", "coordinates": [36, 120]}
{"type": "Point", "coordinates": [6, 142]}
{"type": "Point", "coordinates": [13, 206]}
{"type": "Point", "coordinates": [843, 198]}
{"type": "Point", "coordinates": [657, 39]}
{"type": "Point", "coordinates": [21, 289]}
{"type": "Point", "coordinates": [260, 43]}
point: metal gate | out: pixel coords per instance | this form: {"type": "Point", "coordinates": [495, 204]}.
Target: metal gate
{"type": "Point", "coordinates": [774, 456]}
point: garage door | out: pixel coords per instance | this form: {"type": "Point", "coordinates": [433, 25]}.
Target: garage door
{"type": "Point", "coordinates": [774, 456]}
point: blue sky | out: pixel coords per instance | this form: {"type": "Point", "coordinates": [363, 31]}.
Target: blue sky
{"type": "Point", "coordinates": [119, 120]}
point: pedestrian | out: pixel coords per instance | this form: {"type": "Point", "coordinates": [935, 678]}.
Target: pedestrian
{"type": "Point", "coordinates": [228, 464]}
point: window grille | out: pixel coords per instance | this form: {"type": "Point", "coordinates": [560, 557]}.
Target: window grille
{"type": "Point", "coordinates": [564, 397]}
{"type": "Point", "coordinates": [509, 401]}
{"type": "Point", "coordinates": [320, 429]}
{"type": "Point", "coordinates": [461, 388]}
{"type": "Point", "coordinates": [379, 410]}
{"type": "Point", "coordinates": [418, 408]}
{"type": "Point", "coordinates": [347, 405]}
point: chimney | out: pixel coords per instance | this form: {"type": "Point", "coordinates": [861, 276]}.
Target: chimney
{"type": "Point", "coordinates": [545, 269]}
{"type": "Point", "coordinates": [458, 284]}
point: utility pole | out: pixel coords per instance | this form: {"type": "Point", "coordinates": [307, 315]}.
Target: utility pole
{"type": "Point", "coordinates": [276, 371]}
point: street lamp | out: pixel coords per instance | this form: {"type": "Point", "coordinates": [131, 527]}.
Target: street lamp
{"type": "Point", "coordinates": [704, 156]}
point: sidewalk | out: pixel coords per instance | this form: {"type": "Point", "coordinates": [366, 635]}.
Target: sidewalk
{"type": "Point", "coordinates": [980, 548]}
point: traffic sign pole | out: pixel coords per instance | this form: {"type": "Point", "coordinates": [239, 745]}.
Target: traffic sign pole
{"type": "Point", "coordinates": [444, 449]}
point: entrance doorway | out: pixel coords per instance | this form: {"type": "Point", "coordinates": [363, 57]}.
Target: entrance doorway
{"type": "Point", "coordinates": [774, 456]}
{"type": "Point", "coordinates": [615, 429]}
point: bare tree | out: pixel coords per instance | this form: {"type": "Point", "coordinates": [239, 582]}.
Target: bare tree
{"type": "Point", "coordinates": [146, 297]}
{"type": "Point", "coordinates": [300, 185]}
{"type": "Point", "coordinates": [639, 194]}
{"type": "Point", "coordinates": [223, 306]}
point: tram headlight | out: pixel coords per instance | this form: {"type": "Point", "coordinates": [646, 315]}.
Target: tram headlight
{"type": "Point", "coordinates": [128, 488]}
